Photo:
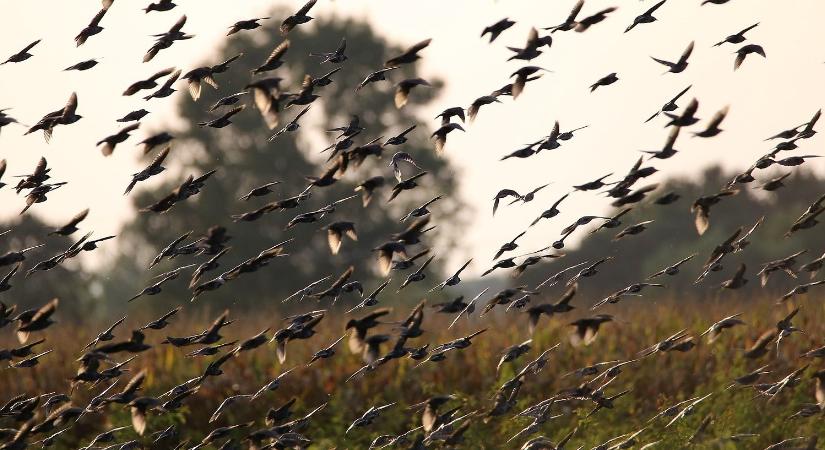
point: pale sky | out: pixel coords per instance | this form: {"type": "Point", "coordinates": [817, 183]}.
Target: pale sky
{"type": "Point", "coordinates": [765, 96]}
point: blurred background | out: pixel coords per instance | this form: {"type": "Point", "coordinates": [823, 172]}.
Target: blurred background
{"type": "Point", "coordinates": [764, 97]}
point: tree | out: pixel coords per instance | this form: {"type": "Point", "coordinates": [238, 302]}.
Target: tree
{"type": "Point", "coordinates": [672, 236]}
{"type": "Point", "coordinates": [244, 158]}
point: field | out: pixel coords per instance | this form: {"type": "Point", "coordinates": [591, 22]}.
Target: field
{"type": "Point", "coordinates": [655, 382]}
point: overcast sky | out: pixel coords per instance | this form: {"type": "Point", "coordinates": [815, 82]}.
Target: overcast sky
{"type": "Point", "coordinates": [765, 96]}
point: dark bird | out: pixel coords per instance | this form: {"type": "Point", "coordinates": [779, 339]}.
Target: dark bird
{"type": "Point", "coordinates": [645, 17]}
{"type": "Point", "coordinates": [16, 256]}
{"type": "Point", "coordinates": [713, 126]}
{"type": "Point", "coordinates": [161, 322]}
{"type": "Point", "coordinates": [405, 185]}
{"type": "Point", "coordinates": [553, 211]}
{"type": "Point", "coordinates": [497, 28]}
{"type": "Point", "coordinates": [549, 309]}
{"type": "Point", "coordinates": [738, 279]}
{"type": "Point", "coordinates": [274, 61]}
{"type": "Point", "coordinates": [585, 24]}
{"type": "Point", "coordinates": [83, 65]}
{"type": "Point", "coordinates": [587, 329]}
{"type": "Point", "coordinates": [165, 90]}
{"type": "Point", "coordinates": [418, 275]}
{"type": "Point", "coordinates": [160, 6]}
{"type": "Point", "coordinates": [336, 232]}
{"type": "Point", "coordinates": [570, 22]}
{"type": "Point", "coordinates": [337, 56]}
{"type": "Point", "coordinates": [686, 118]}
{"type": "Point", "coordinates": [743, 52]}
{"type": "Point", "coordinates": [522, 76]}
{"type": "Point", "coordinates": [453, 279]}
{"type": "Point", "coordinates": [33, 320]}
{"type": "Point", "coordinates": [633, 230]}
{"type": "Point", "coordinates": [165, 40]}
{"type": "Point", "coordinates": [245, 25]}
{"type": "Point", "coordinates": [532, 48]}
{"type": "Point", "coordinates": [154, 168]}
{"type": "Point", "coordinates": [672, 269]}
{"type": "Point", "coordinates": [71, 226]}
{"type": "Point", "coordinates": [475, 107]}
{"type": "Point", "coordinates": [403, 88]}
{"type": "Point", "coordinates": [440, 135]}
{"type": "Point", "coordinates": [606, 80]}
{"type": "Point", "coordinates": [22, 55]}
{"type": "Point", "coordinates": [292, 126]}
{"type": "Point", "coordinates": [737, 38]}
{"type": "Point", "coordinates": [300, 17]}
{"type": "Point", "coordinates": [5, 286]}
{"type": "Point", "coordinates": [508, 246]}
{"type": "Point", "coordinates": [681, 64]}
{"type": "Point", "coordinates": [110, 142]}
{"type": "Point", "coordinates": [91, 29]}
{"type": "Point", "coordinates": [374, 77]}
{"type": "Point", "coordinates": [701, 208]}
{"type": "Point", "coordinates": [64, 116]}
{"type": "Point", "coordinates": [809, 131]}
{"type": "Point", "coordinates": [793, 161]}
{"type": "Point", "coordinates": [149, 83]}
{"type": "Point", "coordinates": [408, 56]}
{"type": "Point", "coordinates": [206, 74]}
{"type": "Point", "coordinates": [449, 113]}
{"type": "Point", "coordinates": [671, 105]}
{"type": "Point", "coordinates": [229, 100]}
{"type": "Point", "coordinates": [224, 120]}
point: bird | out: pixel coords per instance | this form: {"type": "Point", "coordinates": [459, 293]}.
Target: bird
{"type": "Point", "coordinates": [403, 88]}
{"type": "Point", "coordinates": [374, 77]}
{"type": "Point", "coordinates": [606, 80]}
{"type": "Point", "coordinates": [300, 17]}
{"type": "Point", "coordinates": [154, 168]}
{"type": "Point", "coordinates": [368, 417]}
{"type": "Point", "coordinates": [713, 126]}
{"type": "Point", "coordinates": [701, 208]}
{"type": "Point", "coordinates": [337, 56]}
{"type": "Point", "coordinates": [405, 185]}
{"type": "Point", "coordinates": [83, 65]}
{"type": "Point", "coordinates": [645, 17]}
{"type": "Point", "coordinates": [408, 56]}
{"type": "Point", "coordinates": [165, 90]}
{"type": "Point", "coordinates": [570, 22]}
{"type": "Point", "coordinates": [497, 28]}
{"type": "Point", "coordinates": [671, 105]}
{"type": "Point", "coordinates": [71, 226]}
{"type": "Point", "coordinates": [587, 329]}
{"type": "Point", "coordinates": [738, 279]}
{"type": "Point", "coordinates": [64, 116]}
{"type": "Point", "coordinates": [585, 24]}
{"type": "Point", "coordinates": [22, 55]}
{"type": "Point", "coordinates": [746, 50]}
{"type": "Point", "coordinates": [160, 5]}
{"type": "Point", "coordinates": [165, 40]}
{"type": "Point", "coordinates": [92, 28]}
{"type": "Point", "coordinates": [736, 38]}
{"type": "Point", "coordinates": [453, 279]}
{"type": "Point", "coordinates": [273, 61]}
{"type": "Point", "coordinates": [110, 142]}
{"type": "Point", "coordinates": [224, 120]}
{"type": "Point", "coordinates": [551, 212]}
{"type": "Point", "coordinates": [681, 64]}
{"type": "Point", "coordinates": [245, 25]}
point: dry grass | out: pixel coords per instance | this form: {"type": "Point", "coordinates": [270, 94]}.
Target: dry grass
{"type": "Point", "coordinates": [655, 382]}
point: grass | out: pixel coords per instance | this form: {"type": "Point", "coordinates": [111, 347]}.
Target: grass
{"type": "Point", "coordinates": [655, 383]}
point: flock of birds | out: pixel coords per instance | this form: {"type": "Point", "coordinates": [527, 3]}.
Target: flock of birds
{"type": "Point", "coordinates": [41, 418]}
